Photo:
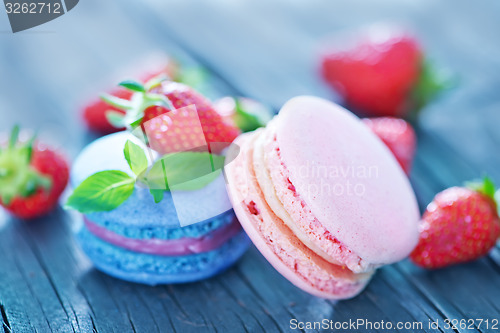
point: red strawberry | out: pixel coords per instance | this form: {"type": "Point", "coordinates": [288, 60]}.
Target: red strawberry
{"type": "Point", "coordinates": [383, 74]}
{"type": "Point", "coordinates": [160, 110]}
{"type": "Point", "coordinates": [153, 112]}
{"type": "Point", "coordinates": [94, 113]}
{"type": "Point", "coordinates": [398, 135]}
{"type": "Point", "coordinates": [460, 225]}
{"type": "Point", "coordinates": [176, 130]}
{"type": "Point", "coordinates": [32, 177]}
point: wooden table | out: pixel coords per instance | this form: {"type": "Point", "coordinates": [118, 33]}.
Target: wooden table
{"type": "Point", "coordinates": [265, 50]}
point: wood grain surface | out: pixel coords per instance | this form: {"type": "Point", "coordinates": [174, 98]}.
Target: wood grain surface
{"type": "Point", "coordinates": [266, 50]}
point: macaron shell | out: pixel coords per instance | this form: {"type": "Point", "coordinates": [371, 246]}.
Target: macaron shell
{"type": "Point", "coordinates": [277, 243]}
{"type": "Point", "coordinates": [330, 152]}
{"type": "Point", "coordinates": [274, 181]}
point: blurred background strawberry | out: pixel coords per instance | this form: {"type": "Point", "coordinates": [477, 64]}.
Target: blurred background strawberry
{"type": "Point", "coordinates": [381, 70]}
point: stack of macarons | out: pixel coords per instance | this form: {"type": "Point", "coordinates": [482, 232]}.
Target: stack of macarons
{"type": "Point", "coordinates": [143, 241]}
{"type": "Point", "coordinates": [322, 198]}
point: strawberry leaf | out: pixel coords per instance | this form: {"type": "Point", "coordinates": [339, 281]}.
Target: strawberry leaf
{"type": "Point", "coordinates": [136, 157]}
{"type": "Point", "coordinates": [18, 178]}
{"type": "Point", "coordinates": [431, 83]}
{"type": "Point", "coordinates": [28, 148]}
{"type": "Point", "coordinates": [117, 102]}
{"type": "Point", "coordinates": [486, 187]}
{"type": "Point", "coordinates": [14, 136]}
{"type": "Point", "coordinates": [245, 121]}
{"type": "Point", "coordinates": [155, 81]}
{"type": "Point", "coordinates": [250, 115]}
{"type": "Point", "coordinates": [103, 191]}
{"type": "Point", "coordinates": [133, 85]}
{"type": "Point", "coordinates": [117, 119]}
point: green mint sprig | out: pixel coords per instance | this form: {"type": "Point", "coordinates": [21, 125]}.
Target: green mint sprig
{"type": "Point", "coordinates": [183, 171]}
{"type": "Point", "coordinates": [106, 190]}
{"type": "Point", "coordinates": [103, 191]}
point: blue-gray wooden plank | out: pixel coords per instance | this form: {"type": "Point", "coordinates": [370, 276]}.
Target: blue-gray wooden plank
{"type": "Point", "coordinates": [265, 50]}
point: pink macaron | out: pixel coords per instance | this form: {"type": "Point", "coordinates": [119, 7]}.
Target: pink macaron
{"type": "Point", "coordinates": [322, 198]}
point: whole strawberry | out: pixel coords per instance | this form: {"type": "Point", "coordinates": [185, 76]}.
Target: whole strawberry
{"type": "Point", "coordinates": [32, 177]}
{"type": "Point", "coordinates": [94, 112]}
{"type": "Point", "coordinates": [460, 225]}
{"type": "Point", "coordinates": [173, 116]}
{"type": "Point", "coordinates": [382, 74]}
{"type": "Point", "coordinates": [398, 135]}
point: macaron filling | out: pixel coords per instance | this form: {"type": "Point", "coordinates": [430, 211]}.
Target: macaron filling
{"type": "Point", "coordinates": [273, 178]}
{"type": "Point", "coordinates": [166, 229]}
{"type": "Point", "coordinates": [174, 247]}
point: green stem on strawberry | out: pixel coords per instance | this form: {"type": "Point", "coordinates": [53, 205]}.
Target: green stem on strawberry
{"type": "Point", "coordinates": [430, 84]}
{"type": "Point", "coordinates": [248, 119]}
{"type": "Point", "coordinates": [134, 109]}
{"type": "Point", "coordinates": [17, 176]}
{"type": "Point", "coordinates": [487, 188]}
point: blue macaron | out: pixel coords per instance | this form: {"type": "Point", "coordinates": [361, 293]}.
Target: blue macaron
{"type": "Point", "coordinates": [188, 236]}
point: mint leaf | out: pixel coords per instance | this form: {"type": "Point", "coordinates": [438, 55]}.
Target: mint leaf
{"type": "Point", "coordinates": [133, 85]}
{"type": "Point", "coordinates": [197, 183]}
{"type": "Point", "coordinates": [185, 171]}
{"type": "Point", "coordinates": [103, 191]}
{"type": "Point", "coordinates": [136, 157]}
{"type": "Point", "coordinates": [157, 195]}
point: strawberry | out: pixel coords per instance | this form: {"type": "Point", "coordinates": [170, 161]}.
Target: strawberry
{"type": "Point", "coordinates": [94, 113]}
{"type": "Point", "coordinates": [461, 224]}
{"type": "Point", "coordinates": [32, 177]}
{"type": "Point", "coordinates": [398, 135]}
{"type": "Point", "coordinates": [382, 74]}
{"type": "Point", "coordinates": [161, 109]}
